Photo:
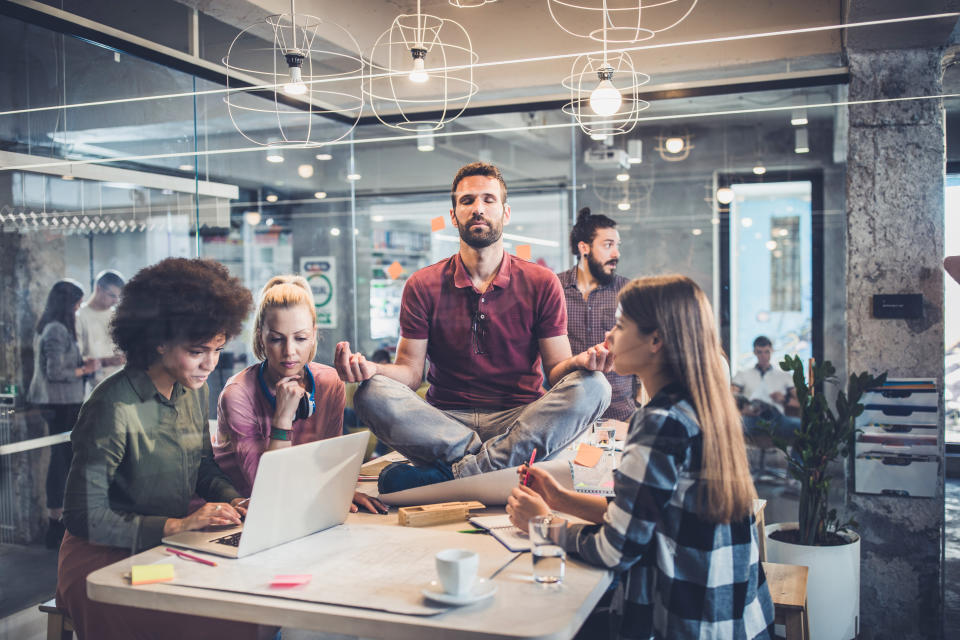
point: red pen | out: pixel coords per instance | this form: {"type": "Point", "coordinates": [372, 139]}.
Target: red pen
{"type": "Point", "coordinates": [533, 456]}
{"type": "Point", "coordinates": [190, 556]}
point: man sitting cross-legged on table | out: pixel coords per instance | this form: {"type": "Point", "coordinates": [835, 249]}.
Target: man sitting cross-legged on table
{"type": "Point", "coordinates": [487, 320]}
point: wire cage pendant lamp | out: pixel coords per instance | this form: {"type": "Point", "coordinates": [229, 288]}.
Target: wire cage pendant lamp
{"type": "Point", "coordinates": [623, 21]}
{"type": "Point", "coordinates": [421, 72]}
{"type": "Point", "coordinates": [298, 89]}
{"type": "Point", "coordinates": [604, 91]}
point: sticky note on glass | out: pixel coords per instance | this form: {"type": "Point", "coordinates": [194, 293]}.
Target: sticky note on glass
{"type": "Point", "coordinates": [588, 455]}
{"type": "Point", "coordinates": [286, 581]}
{"type": "Point", "coordinates": [523, 251]}
{"type": "Point", "coordinates": [438, 223]}
{"type": "Point", "coordinates": [150, 573]}
{"type": "Point", "coordinates": [395, 270]}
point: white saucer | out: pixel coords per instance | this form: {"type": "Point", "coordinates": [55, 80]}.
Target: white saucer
{"type": "Point", "coordinates": [482, 590]}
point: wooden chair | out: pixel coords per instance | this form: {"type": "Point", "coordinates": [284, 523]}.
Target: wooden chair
{"type": "Point", "coordinates": [59, 624]}
{"type": "Point", "coordinates": [788, 589]}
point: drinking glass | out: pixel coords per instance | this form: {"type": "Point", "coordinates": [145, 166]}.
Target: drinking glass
{"type": "Point", "coordinates": [549, 558]}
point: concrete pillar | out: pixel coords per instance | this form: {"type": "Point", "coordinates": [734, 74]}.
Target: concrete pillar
{"type": "Point", "coordinates": [895, 208]}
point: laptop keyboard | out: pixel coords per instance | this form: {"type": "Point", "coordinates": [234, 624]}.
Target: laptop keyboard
{"type": "Point", "coordinates": [232, 540]}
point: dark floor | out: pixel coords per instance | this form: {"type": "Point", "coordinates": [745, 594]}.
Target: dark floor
{"type": "Point", "coordinates": [29, 576]}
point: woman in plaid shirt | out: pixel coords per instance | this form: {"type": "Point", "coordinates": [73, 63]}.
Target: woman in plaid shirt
{"type": "Point", "coordinates": [680, 528]}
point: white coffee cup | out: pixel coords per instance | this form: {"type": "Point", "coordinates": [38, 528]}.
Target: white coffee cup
{"type": "Point", "coordinates": [457, 569]}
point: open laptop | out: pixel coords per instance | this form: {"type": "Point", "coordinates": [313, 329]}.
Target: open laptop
{"type": "Point", "coordinates": [298, 491]}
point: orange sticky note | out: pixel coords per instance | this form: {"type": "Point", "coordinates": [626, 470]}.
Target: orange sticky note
{"type": "Point", "coordinates": [438, 223]}
{"type": "Point", "coordinates": [395, 270]}
{"type": "Point", "coordinates": [523, 251]}
{"type": "Point", "coordinates": [150, 573]}
{"type": "Point", "coordinates": [588, 455]}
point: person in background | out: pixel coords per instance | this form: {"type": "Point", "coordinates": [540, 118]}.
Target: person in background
{"type": "Point", "coordinates": [680, 524]}
{"type": "Point", "coordinates": [380, 356]}
{"type": "Point", "coordinates": [285, 399]}
{"type": "Point", "coordinates": [142, 445]}
{"type": "Point", "coordinates": [764, 392]}
{"type": "Point", "coordinates": [93, 327]}
{"type": "Point", "coordinates": [590, 288]}
{"type": "Point", "coordinates": [490, 324]}
{"type": "Point", "coordinates": [57, 389]}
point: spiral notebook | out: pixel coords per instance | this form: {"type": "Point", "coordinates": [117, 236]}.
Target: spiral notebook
{"type": "Point", "coordinates": [506, 534]}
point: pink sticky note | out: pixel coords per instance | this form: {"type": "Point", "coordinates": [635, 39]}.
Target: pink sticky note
{"type": "Point", "coordinates": [291, 580]}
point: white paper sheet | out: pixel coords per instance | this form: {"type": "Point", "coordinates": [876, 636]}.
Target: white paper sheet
{"type": "Point", "coordinates": [489, 488]}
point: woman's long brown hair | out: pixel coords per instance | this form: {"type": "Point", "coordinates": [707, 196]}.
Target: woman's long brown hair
{"type": "Point", "coordinates": [676, 307]}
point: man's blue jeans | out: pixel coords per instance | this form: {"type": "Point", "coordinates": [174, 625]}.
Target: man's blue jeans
{"type": "Point", "coordinates": [476, 441]}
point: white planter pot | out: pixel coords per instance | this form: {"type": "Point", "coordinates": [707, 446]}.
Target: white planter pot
{"type": "Point", "coordinates": [833, 582]}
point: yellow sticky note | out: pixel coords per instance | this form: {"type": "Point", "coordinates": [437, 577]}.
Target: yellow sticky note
{"type": "Point", "coordinates": [523, 251]}
{"type": "Point", "coordinates": [150, 573]}
{"type": "Point", "coordinates": [438, 223]}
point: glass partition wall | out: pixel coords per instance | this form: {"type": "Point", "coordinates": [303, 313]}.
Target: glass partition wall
{"type": "Point", "coordinates": [115, 162]}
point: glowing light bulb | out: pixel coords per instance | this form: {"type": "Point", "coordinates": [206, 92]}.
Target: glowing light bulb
{"type": "Point", "coordinates": [295, 87]}
{"type": "Point", "coordinates": [320, 195]}
{"type": "Point", "coordinates": [673, 145]}
{"type": "Point", "coordinates": [418, 73]}
{"type": "Point", "coordinates": [272, 197]}
{"type": "Point", "coordinates": [605, 100]}
{"type": "Point", "coordinates": [623, 177]}
{"type": "Point", "coordinates": [334, 231]}
{"type": "Point", "coordinates": [305, 171]}
{"type": "Point", "coordinates": [759, 170]}
{"type": "Point", "coordinates": [724, 195]}
{"type": "Point", "coordinates": [252, 218]}
{"type": "Point", "coordinates": [623, 206]}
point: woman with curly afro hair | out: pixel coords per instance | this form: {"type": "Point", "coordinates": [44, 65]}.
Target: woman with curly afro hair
{"type": "Point", "coordinates": [141, 445]}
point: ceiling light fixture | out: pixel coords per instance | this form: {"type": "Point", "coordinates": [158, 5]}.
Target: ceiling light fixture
{"type": "Point", "coordinates": [418, 73]}
{"type": "Point", "coordinates": [759, 169]}
{"type": "Point", "coordinates": [633, 21]}
{"type": "Point", "coordinates": [673, 147]}
{"type": "Point", "coordinates": [305, 171]}
{"type": "Point", "coordinates": [274, 155]}
{"type": "Point", "coordinates": [605, 100]}
{"type": "Point", "coordinates": [324, 156]}
{"type": "Point", "coordinates": [334, 231]}
{"type": "Point", "coordinates": [418, 36]}
{"type": "Point", "coordinates": [635, 151]}
{"type": "Point", "coordinates": [272, 197]}
{"type": "Point", "coordinates": [623, 176]}
{"type": "Point", "coordinates": [252, 218]}
{"type": "Point", "coordinates": [185, 167]}
{"type": "Point", "coordinates": [304, 78]}
{"type": "Point", "coordinates": [725, 195]}
{"type": "Point", "coordinates": [320, 195]}
{"type": "Point", "coordinates": [696, 232]}
{"type": "Point", "coordinates": [623, 206]}
{"type": "Point", "coordinates": [353, 177]}
{"type": "Point", "coordinates": [801, 140]}
{"type": "Point", "coordinates": [268, 222]}
{"type": "Point", "coordinates": [425, 140]}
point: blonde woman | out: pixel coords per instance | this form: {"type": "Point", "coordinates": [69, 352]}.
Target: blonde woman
{"type": "Point", "coordinates": [284, 400]}
{"type": "Point", "coordinates": [680, 525]}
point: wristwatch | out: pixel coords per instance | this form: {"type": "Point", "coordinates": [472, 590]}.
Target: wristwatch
{"type": "Point", "coordinates": [280, 434]}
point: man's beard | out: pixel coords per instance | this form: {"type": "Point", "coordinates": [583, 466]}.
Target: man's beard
{"type": "Point", "coordinates": [596, 270]}
{"type": "Point", "coordinates": [482, 240]}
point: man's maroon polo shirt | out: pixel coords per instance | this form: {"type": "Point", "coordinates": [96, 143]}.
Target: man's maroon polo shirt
{"type": "Point", "coordinates": [522, 305]}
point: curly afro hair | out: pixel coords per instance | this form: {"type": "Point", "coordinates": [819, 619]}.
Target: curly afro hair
{"type": "Point", "coordinates": [177, 301]}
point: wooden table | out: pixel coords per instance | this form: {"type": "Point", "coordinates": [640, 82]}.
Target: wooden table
{"type": "Point", "coordinates": [519, 609]}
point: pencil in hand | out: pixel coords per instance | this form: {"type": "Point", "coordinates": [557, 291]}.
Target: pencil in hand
{"type": "Point", "coordinates": [526, 473]}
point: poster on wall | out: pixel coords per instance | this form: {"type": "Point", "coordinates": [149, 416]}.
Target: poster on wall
{"type": "Point", "coordinates": [321, 273]}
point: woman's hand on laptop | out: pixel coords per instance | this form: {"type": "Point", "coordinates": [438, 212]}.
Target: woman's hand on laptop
{"type": "Point", "coordinates": [210, 514]}
{"type": "Point", "coordinates": [369, 503]}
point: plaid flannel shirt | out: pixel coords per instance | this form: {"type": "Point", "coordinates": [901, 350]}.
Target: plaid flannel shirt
{"type": "Point", "coordinates": [587, 325]}
{"type": "Point", "coordinates": [685, 577]}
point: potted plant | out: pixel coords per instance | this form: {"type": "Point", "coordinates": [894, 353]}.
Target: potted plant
{"type": "Point", "coordinates": [818, 539]}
